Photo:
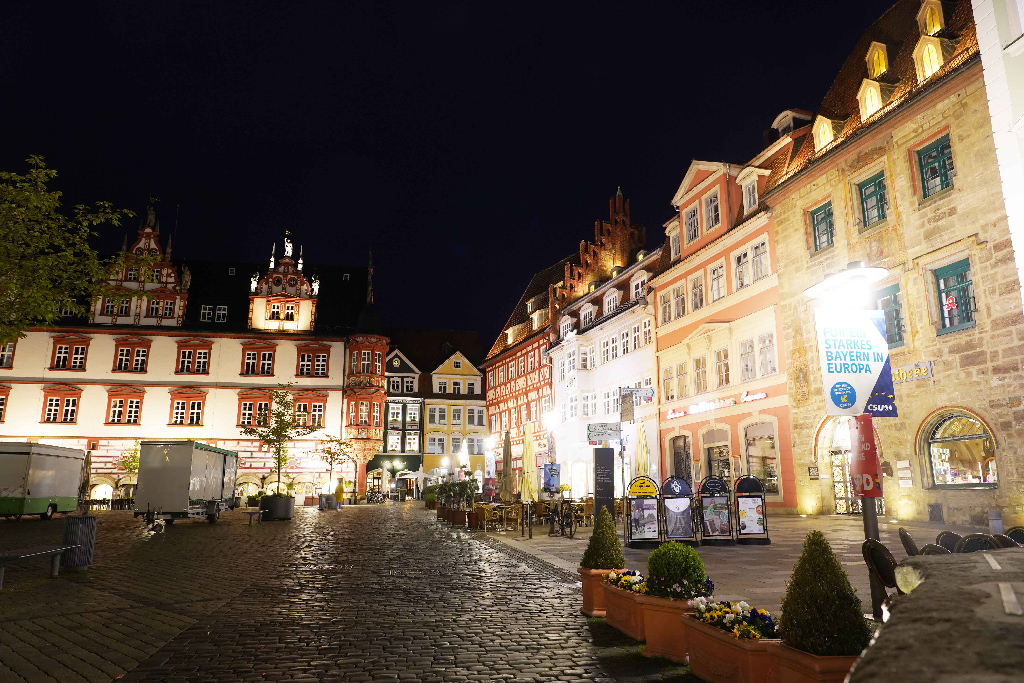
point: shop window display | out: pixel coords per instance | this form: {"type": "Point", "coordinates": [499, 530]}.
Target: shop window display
{"type": "Point", "coordinates": [962, 452]}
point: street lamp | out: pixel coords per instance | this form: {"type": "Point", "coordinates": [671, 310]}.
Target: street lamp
{"type": "Point", "coordinates": [850, 289]}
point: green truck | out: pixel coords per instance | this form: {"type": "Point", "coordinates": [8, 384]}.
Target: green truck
{"type": "Point", "coordinates": [39, 480]}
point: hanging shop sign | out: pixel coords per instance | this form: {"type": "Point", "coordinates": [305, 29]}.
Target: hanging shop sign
{"type": "Point", "coordinates": [677, 509]}
{"type": "Point", "coordinates": [552, 477]}
{"type": "Point", "coordinates": [715, 512]}
{"type": "Point", "coordinates": [864, 468]}
{"type": "Point", "coordinates": [854, 356]}
{"type": "Point", "coordinates": [909, 373]}
{"type": "Point", "coordinates": [642, 515]}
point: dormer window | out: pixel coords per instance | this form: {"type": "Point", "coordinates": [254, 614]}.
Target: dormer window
{"type": "Point", "coordinates": [930, 18]}
{"type": "Point", "coordinates": [611, 301]}
{"type": "Point", "coordinates": [929, 56]}
{"type": "Point", "coordinates": [870, 99]}
{"type": "Point", "coordinates": [823, 133]}
{"type": "Point", "coordinates": [878, 60]}
{"type": "Point", "coordinates": [637, 286]}
{"type": "Point", "coordinates": [566, 327]}
{"type": "Point", "coordinates": [749, 196]}
{"type": "Point", "coordinates": [586, 316]}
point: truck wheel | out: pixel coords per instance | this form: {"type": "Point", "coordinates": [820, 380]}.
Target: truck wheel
{"type": "Point", "coordinates": [50, 509]}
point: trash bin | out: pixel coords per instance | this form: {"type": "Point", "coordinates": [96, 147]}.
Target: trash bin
{"type": "Point", "coordinates": [80, 531]}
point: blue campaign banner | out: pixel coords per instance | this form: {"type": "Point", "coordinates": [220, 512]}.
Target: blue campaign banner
{"type": "Point", "coordinates": [552, 472]}
{"type": "Point", "coordinates": [854, 356]}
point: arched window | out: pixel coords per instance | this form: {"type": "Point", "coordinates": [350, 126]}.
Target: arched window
{"type": "Point", "coordinates": [872, 102]}
{"type": "Point", "coordinates": [879, 63]}
{"type": "Point", "coordinates": [929, 60]}
{"type": "Point", "coordinates": [824, 135]}
{"type": "Point", "coordinates": [931, 21]}
{"type": "Point", "coordinates": [961, 451]}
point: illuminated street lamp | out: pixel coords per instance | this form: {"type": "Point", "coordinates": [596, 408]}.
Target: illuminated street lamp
{"type": "Point", "coordinates": [850, 289]}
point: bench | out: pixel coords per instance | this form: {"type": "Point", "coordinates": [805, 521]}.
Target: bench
{"type": "Point", "coordinates": [53, 551]}
{"type": "Point", "coordinates": [258, 514]}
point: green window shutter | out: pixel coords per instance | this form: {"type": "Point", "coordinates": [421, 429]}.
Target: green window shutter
{"type": "Point", "coordinates": [936, 165]}
{"type": "Point", "coordinates": [889, 301]}
{"type": "Point", "coordinates": [872, 199]}
{"type": "Point", "coordinates": [956, 296]}
{"type": "Point", "coordinates": [823, 226]}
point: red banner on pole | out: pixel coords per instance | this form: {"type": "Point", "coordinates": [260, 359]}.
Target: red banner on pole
{"type": "Point", "coordinates": [864, 467]}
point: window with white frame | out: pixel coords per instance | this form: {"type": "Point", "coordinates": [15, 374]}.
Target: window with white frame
{"type": "Point", "coordinates": [306, 368]}
{"type": "Point", "coordinates": [674, 244]}
{"type": "Point", "coordinates": [185, 361]}
{"type": "Point", "coordinates": [457, 364]}
{"type": "Point", "coordinates": [124, 307]}
{"type": "Point", "coordinates": [476, 416]}
{"type": "Point", "coordinates": [636, 336]}
{"type": "Point", "coordinates": [697, 293]}
{"type": "Point", "coordinates": [741, 268]}
{"type": "Point", "coordinates": [245, 413]}
{"type": "Point", "coordinates": [412, 442]}
{"type": "Point", "coordinates": [692, 224]}
{"type": "Point", "coordinates": [395, 412]}
{"type": "Point", "coordinates": [456, 416]}
{"type": "Point", "coordinates": [759, 260]}
{"type": "Point", "coordinates": [570, 360]}
{"type": "Point", "coordinates": [531, 362]}
{"type": "Point", "coordinates": [108, 307]}
{"type": "Point", "coordinates": [456, 386]}
{"type": "Point", "coordinates": [668, 384]}
{"type": "Point", "coordinates": [647, 335]}
{"type": "Point", "coordinates": [412, 415]}
{"type": "Point", "coordinates": [611, 301]}
{"type": "Point", "coordinates": [302, 413]}
{"type": "Point", "coordinates": [606, 398]}
{"type": "Point", "coordinates": [378, 362]}
{"type": "Point", "coordinates": [639, 288]}
{"type": "Point", "coordinates": [116, 413]}
{"type": "Point", "coordinates": [606, 351]}
{"type": "Point", "coordinates": [221, 314]}
{"type": "Point", "coordinates": [409, 382]}
{"type": "Point", "coordinates": [470, 387]}
{"type": "Point", "coordinates": [178, 412]}
{"type": "Point", "coordinates": [700, 375]}
{"type": "Point", "coordinates": [679, 300]}
{"type": "Point", "coordinates": [364, 412]}
{"type": "Point", "coordinates": [475, 445]}
{"type": "Point", "coordinates": [132, 411]}
{"type": "Point", "coordinates": [665, 303]}
{"type": "Point", "coordinates": [394, 441]}
{"type": "Point", "coordinates": [574, 406]}
{"type": "Point", "coordinates": [205, 313]}
{"type": "Point", "coordinates": [722, 366]}
{"type": "Point", "coordinates": [124, 359]}
{"type": "Point", "coordinates": [435, 444]}
{"type": "Point", "coordinates": [396, 385]}
{"type": "Point", "coordinates": [614, 346]}
{"type": "Point", "coordinates": [712, 214]}
{"type": "Point", "coordinates": [364, 363]}
{"type": "Point", "coordinates": [766, 349]}
{"type": "Point", "coordinates": [561, 369]}
{"type": "Point", "coordinates": [169, 308]}
{"type": "Point", "coordinates": [266, 362]}
{"type": "Point", "coordinates": [442, 386]}
{"type": "Point", "coordinates": [682, 388]}
{"type": "Point", "coordinates": [586, 319]}
{"type": "Point", "coordinates": [624, 339]}
{"type": "Point", "coordinates": [585, 355]}
{"type": "Point", "coordinates": [749, 196]}
{"type": "Point", "coordinates": [748, 365]}
{"type": "Point", "coordinates": [456, 443]}
{"type": "Point", "coordinates": [590, 404]}
{"type": "Point", "coordinates": [195, 412]}
{"type": "Point", "coordinates": [566, 329]}
{"type": "Point", "coordinates": [717, 280]}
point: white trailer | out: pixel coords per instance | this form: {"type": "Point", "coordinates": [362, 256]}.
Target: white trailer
{"type": "Point", "coordinates": [39, 480]}
{"type": "Point", "coordinates": [184, 480]}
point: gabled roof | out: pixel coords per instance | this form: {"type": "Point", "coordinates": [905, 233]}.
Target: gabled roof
{"type": "Point", "coordinates": [405, 366]}
{"type": "Point", "coordinates": [427, 348]}
{"type": "Point", "coordinates": [899, 31]}
{"type": "Point", "coordinates": [539, 284]}
{"type": "Point", "coordinates": [703, 168]}
{"type": "Point", "coordinates": [460, 355]}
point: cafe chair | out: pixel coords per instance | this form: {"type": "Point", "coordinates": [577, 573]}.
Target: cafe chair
{"type": "Point", "coordinates": [1005, 541]}
{"type": "Point", "coordinates": [513, 517]}
{"type": "Point", "coordinates": [585, 514]}
{"type": "Point", "coordinates": [881, 563]}
{"type": "Point", "coordinates": [491, 519]}
{"type": "Point", "coordinates": [948, 540]}
{"type": "Point", "coordinates": [972, 543]}
{"type": "Point", "coordinates": [1016, 533]}
{"type": "Point", "coordinates": [932, 549]}
{"type": "Point", "coordinates": [908, 543]}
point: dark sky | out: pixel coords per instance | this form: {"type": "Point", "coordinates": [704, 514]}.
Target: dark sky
{"type": "Point", "coordinates": [470, 144]}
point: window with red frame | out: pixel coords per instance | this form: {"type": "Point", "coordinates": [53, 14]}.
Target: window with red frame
{"type": "Point", "coordinates": [61, 407]}
{"type": "Point", "coordinates": [7, 355]}
{"type": "Point", "coordinates": [69, 354]}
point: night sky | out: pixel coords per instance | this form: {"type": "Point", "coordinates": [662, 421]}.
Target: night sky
{"type": "Point", "coordinates": [470, 144]}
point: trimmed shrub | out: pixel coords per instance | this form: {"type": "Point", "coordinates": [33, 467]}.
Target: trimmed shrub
{"type": "Point", "coordinates": [821, 613]}
{"type": "Point", "coordinates": [603, 551]}
{"type": "Point", "coordinates": [675, 570]}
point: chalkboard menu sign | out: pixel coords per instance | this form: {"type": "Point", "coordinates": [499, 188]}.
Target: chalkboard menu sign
{"type": "Point", "coordinates": [604, 479]}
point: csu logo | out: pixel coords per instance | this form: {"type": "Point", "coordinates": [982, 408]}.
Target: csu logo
{"type": "Point", "coordinates": [875, 408]}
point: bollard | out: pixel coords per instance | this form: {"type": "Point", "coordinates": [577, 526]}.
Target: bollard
{"type": "Point", "coordinates": [80, 531]}
{"type": "Point", "coordinates": [995, 522]}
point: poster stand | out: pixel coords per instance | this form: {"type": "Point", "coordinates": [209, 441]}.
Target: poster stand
{"type": "Point", "coordinates": [642, 518]}
{"type": "Point", "coordinates": [715, 512]}
{"type": "Point", "coordinates": [677, 511]}
{"type": "Point", "coordinates": [751, 511]}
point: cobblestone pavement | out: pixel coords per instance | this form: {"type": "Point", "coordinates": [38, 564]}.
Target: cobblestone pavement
{"type": "Point", "coordinates": [757, 574]}
{"type": "Point", "coordinates": [367, 593]}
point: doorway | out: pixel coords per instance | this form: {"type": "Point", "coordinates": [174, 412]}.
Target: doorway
{"type": "Point", "coordinates": [681, 459]}
{"type": "Point", "coordinates": [846, 503]}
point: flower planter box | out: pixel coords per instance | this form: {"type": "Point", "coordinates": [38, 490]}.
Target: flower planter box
{"type": "Point", "coordinates": [622, 609]}
{"type": "Point", "coordinates": [663, 626]}
{"type": "Point", "coordinates": [796, 666]}
{"type": "Point", "coordinates": [720, 657]}
{"type": "Point", "coordinates": [277, 507]}
{"type": "Point", "coordinates": [473, 519]}
{"type": "Point", "coordinates": [593, 594]}
{"type": "Point", "coordinates": [458, 518]}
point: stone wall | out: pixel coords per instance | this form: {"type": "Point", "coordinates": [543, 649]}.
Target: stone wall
{"type": "Point", "coordinates": [978, 368]}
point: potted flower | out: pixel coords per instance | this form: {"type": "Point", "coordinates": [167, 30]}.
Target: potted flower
{"type": "Point", "coordinates": [603, 554]}
{"type": "Point", "coordinates": [823, 626]}
{"type": "Point", "coordinates": [622, 593]}
{"type": "Point", "coordinates": [675, 576]}
{"type": "Point", "coordinates": [564, 489]}
{"type": "Point", "coordinates": [728, 641]}
{"type": "Point", "coordinates": [430, 500]}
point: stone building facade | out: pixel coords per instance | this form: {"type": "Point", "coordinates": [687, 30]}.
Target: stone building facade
{"type": "Point", "coordinates": [899, 171]}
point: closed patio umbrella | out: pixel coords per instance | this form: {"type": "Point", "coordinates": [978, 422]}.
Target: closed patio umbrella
{"type": "Point", "coordinates": [528, 487]}
{"type": "Point", "coordinates": [506, 490]}
{"type": "Point", "coordinates": [643, 453]}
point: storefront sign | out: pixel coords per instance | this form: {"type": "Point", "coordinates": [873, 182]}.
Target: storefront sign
{"type": "Point", "coordinates": [812, 472]}
{"type": "Point", "coordinates": [864, 468]}
{"type": "Point", "coordinates": [706, 406]}
{"type": "Point", "coordinates": [854, 357]}
{"type": "Point", "coordinates": [674, 413]}
{"type": "Point", "coordinates": [909, 373]}
{"type": "Point", "coordinates": [642, 486]}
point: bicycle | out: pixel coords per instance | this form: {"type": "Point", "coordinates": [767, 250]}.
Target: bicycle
{"type": "Point", "coordinates": [565, 516]}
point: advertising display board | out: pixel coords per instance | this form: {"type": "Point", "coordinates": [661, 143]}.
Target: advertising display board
{"type": "Point", "coordinates": [715, 512]}
{"type": "Point", "coordinates": [677, 507]}
{"type": "Point", "coordinates": [854, 355]}
{"type": "Point", "coordinates": [604, 479]}
{"type": "Point", "coordinates": [490, 478]}
{"type": "Point", "coordinates": [642, 515]}
{"type": "Point", "coordinates": [751, 511]}
{"type": "Point", "coordinates": [552, 477]}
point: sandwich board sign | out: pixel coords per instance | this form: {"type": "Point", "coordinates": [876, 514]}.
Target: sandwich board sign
{"type": "Point", "coordinates": [854, 354]}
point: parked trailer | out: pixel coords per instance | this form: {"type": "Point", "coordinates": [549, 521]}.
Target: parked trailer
{"type": "Point", "coordinates": [39, 480]}
{"type": "Point", "coordinates": [184, 480]}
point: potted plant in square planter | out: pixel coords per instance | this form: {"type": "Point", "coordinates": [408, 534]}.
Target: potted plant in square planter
{"type": "Point", "coordinates": [823, 626]}
{"type": "Point", "coordinates": [603, 554]}
{"type": "Point", "coordinates": [728, 641]}
{"type": "Point", "coordinates": [675, 576]}
{"type": "Point", "coordinates": [622, 608]}
{"type": "Point", "coordinates": [276, 428]}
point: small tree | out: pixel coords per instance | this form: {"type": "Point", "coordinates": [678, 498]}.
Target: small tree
{"type": "Point", "coordinates": [334, 451]}
{"type": "Point", "coordinates": [821, 613]}
{"type": "Point", "coordinates": [603, 551]}
{"type": "Point", "coordinates": [128, 463]}
{"type": "Point", "coordinates": [281, 425]}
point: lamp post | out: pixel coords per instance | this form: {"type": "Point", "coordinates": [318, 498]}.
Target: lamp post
{"type": "Point", "coordinates": [849, 289]}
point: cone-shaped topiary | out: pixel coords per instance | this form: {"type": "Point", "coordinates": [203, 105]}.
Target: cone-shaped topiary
{"type": "Point", "coordinates": [821, 613]}
{"type": "Point", "coordinates": [675, 570]}
{"type": "Point", "coordinates": [603, 551]}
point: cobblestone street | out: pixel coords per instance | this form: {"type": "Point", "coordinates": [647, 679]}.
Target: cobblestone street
{"type": "Point", "coordinates": [369, 593]}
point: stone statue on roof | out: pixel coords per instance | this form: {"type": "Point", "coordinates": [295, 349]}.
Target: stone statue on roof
{"type": "Point", "coordinates": [287, 244]}
{"type": "Point", "coordinates": [253, 282]}
{"type": "Point", "coordinates": [316, 285]}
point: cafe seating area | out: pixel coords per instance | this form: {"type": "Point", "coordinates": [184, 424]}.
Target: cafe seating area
{"type": "Point", "coordinates": [501, 516]}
